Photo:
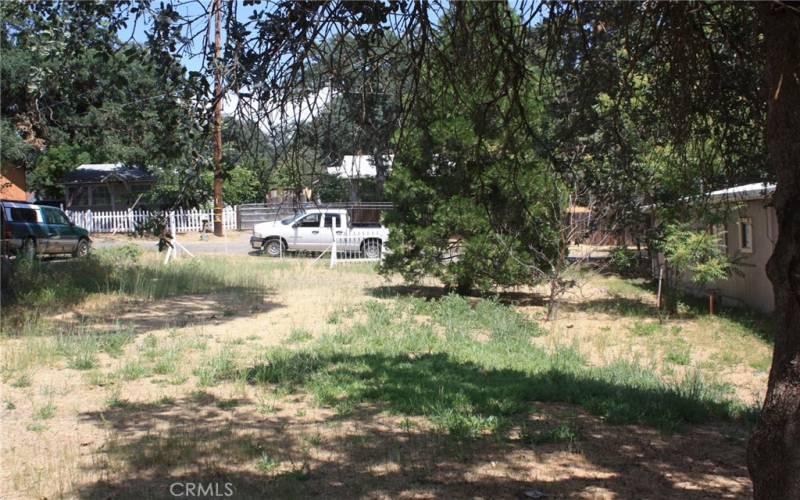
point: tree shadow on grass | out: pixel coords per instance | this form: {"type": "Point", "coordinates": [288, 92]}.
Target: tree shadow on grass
{"type": "Point", "coordinates": [180, 311]}
{"type": "Point", "coordinates": [433, 384]}
{"type": "Point", "coordinates": [428, 292]}
{"type": "Point", "coordinates": [748, 319]}
{"type": "Point", "coordinates": [615, 305]}
{"type": "Point", "coordinates": [153, 296]}
{"type": "Point", "coordinates": [451, 450]}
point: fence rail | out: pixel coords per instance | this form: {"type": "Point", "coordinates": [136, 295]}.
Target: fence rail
{"type": "Point", "coordinates": [361, 246]}
{"type": "Point", "coordinates": [242, 217]}
{"type": "Point", "coordinates": [126, 221]}
{"type": "Point", "coordinates": [253, 213]}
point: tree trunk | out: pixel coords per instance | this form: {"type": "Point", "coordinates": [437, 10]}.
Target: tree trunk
{"type": "Point", "coordinates": [773, 454]}
{"type": "Point", "coordinates": [553, 300]}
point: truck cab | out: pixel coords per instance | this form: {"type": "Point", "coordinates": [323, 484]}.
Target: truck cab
{"type": "Point", "coordinates": [316, 231]}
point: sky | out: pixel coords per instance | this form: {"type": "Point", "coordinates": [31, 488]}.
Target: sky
{"type": "Point", "coordinates": [194, 62]}
{"type": "Point", "coordinates": [190, 8]}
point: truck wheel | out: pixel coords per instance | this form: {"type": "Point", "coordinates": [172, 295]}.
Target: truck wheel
{"type": "Point", "coordinates": [28, 248]}
{"type": "Point", "coordinates": [82, 250]}
{"type": "Point", "coordinates": [274, 248]}
{"type": "Point", "coordinates": [371, 249]}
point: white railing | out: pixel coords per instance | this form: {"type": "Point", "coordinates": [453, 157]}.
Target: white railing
{"type": "Point", "coordinates": [125, 221]}
{"type": "Point", "coordinates": [361, 245]}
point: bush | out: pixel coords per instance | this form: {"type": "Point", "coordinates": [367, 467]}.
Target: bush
{"type": "Point", "coordinates": [154, 225]}
{"type": "Point", "coordinates": [697, 252]}
{"type": "Point", "coordinates": [126, 254]}
{"type": "Point", "coordinates": [623, 259]}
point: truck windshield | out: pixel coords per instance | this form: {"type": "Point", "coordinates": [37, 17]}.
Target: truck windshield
{"type": "Point", "coordinates": [291, 219]}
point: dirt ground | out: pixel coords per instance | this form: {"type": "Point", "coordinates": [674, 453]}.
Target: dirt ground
{"type": "Point", "coordinates": [263, 444]}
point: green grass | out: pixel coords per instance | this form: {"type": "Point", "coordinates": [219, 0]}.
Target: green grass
{"type": "Point", "coordinates": [642, 329]}
{"type": "Point", "coordinates": [266, 408]}
{"type": "Point", "coordinates": [168, 364]}
{"type": "Point", "coordinates": [468, 387]}
{"type": "Point", "coordinates": [298, 336]}
{"type": "Point", "coordinates": [46, 412]}
{"type": "Point", "coordinates": [43, 287]}
{"type": "Point", "coordinates": [468, 367]}
{"type": "Point", "coordinates": [177, 379]}
{"type": "Point", "coordinates": [83, 360]}
{"type": "Point", "coordinates": [563, 433]}
{"type": "Point", "coordinates": [22, 381]}
{"type": "Point", "coordinates": [313, 440]}
{"type": "Point", "coordinates": [620, 306]}
{"type": "Point", "coordinates": [217, 367]}
{"type": "Point", "coordinates": [334, 318]}
{"type": "Point", "coordinates": [625, 287]}
{"type": "Point", "coordinates": [679, 352]}
{"type": "Point", "coordinates": [132, 370]}
{"type": "Point", "coordinates": [227, 404]}
{"type": "Point", "coordinates": [45, 345]}
{"type": "Point", "coordinates": [762, 364]}
{"type": "Point", "coordinates": [98, 378]}
{"type": "Point", "coordinates": [114, 401]}
{"type": "Point", "coordinates": [266, 463]}
{"type": "Point", "coordinates": [165, 356]}
{"type": "Point", "coordinates": [166, 401]}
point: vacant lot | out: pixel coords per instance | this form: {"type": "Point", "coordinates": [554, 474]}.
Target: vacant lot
{"type": "Point", "coordinates": [121, 377]}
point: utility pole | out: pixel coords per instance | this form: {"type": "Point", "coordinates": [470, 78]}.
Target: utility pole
{"type": "Point", "coordinates": [218, 225]}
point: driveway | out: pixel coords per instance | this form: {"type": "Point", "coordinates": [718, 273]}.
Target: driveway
{"type": "Point", "coordinates": [234, 243]}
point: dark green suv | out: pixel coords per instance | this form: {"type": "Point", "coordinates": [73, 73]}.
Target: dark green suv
{"type": "Point", "coordinates": [32, 230]}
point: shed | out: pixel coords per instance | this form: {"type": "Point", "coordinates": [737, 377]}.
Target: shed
{"type": "Point", "coordinates": [106, 186]}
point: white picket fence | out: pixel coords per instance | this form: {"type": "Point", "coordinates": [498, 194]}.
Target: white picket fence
{"type": "Point", "coordinates": [362, 246]}
{"type": "Point", "coordinates": [125, 221]}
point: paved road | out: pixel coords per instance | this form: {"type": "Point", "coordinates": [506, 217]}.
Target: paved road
{"type": "Point", "coordinates": [235, 244]}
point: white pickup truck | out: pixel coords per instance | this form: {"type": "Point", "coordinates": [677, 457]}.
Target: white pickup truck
{"type": "Point", "coordinates": [315, 230]}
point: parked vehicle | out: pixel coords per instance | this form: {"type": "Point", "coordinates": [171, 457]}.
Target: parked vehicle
{"type": "Point", "coordinates": [315, 230]}
{"type": "Point", "coordinates": [32, 230]}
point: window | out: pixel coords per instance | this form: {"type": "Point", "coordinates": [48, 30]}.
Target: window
{"type": "Point", "coordinates": [101, 196]}
{"type": "Point", "coordinates": [332, 220]}
{"type": "Point", "coordinates": [746, 235]}
{"type": "Point", "coordinates": [310, 221]}
{"type": "Point", "coordinates": [81, 197]}
{"type": "Point", "coordinates": [289, 220]}
{"type": "Point", "coordinates": [23, 214]}
{"type": "Point", "coordinates": [54, 216]}
{"type": "Point", "coordinates": [140, 188]}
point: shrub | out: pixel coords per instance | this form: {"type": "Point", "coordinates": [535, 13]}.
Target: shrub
{"type": "Point", "coordinates": [697, 252]}
{"type": "Point", "coordinates": [125, 254]}
{"type": "Point", "coordinates": [623, 259]}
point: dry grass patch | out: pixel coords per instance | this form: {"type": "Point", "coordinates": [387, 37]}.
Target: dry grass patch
{"type": "Point", "coordinates": [291, 379]}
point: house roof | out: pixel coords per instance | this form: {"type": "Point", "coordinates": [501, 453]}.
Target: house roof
{"type": "Point", "coordinates": [358, 166]}
{"type": "Point", "coordinates": [746, 192]}
{"type": "Point", "coordinates": [103, 172]}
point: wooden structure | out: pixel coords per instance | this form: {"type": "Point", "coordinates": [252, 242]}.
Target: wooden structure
{"type": "Point", "coordinates": [13, 183]}
{"type": "Point", "coordinates": [106, 187]}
